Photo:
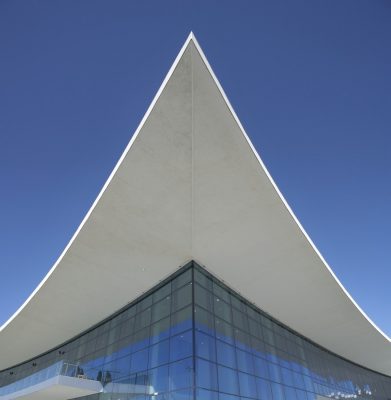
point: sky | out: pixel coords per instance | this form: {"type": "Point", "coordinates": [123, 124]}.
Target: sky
{"type": "Point", "coordinates": [310, 81]}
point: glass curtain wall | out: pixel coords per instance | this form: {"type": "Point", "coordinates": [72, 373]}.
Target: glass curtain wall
{"type": "Point", "coordinates": [144, 351]}
{"type": "Point", "coordinates": [193, 337]}
{"type": "Point", "coordinates": [242, 353]}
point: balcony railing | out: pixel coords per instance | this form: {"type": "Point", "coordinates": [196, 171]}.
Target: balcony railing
{"type": "Point", "coordinates": [60, 368]}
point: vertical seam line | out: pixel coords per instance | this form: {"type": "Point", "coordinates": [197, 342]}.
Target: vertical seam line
{"type": "Point", "coordinates": [192, 151]}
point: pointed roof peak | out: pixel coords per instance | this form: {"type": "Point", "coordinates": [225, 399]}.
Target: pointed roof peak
{"type": "Point", "coordinates": [192, 39]}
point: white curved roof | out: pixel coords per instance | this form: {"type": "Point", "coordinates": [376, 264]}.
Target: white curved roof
{"type": "Point", "coordinates": [190, 185]}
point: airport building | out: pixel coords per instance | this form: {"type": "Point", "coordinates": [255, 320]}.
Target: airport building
{"type": "Point", "coordinates": [191, 278]}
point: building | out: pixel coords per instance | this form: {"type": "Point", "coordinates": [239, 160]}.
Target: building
{"type": "Point", "coordinates": [190, 277]}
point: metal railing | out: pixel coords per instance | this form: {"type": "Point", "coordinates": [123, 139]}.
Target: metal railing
{"type": "Point", "coordinates": [62, 367]}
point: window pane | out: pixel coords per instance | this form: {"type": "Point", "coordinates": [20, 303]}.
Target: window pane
{"type": "Point", "coordinates": [247, 385]}
{"type": "Point", "coordinates": [160, 330]}
{"type": "Point", "coordinates": [204, 321]}
{"type": "Point", "coordinates": [181, 374]}
{"type": "Point", "coordinates": [225, 396]}
{"type": "Point", "coordinates": [140, 339]}
{"type": "Point", "coordinates": [226, 354]}
{"type": "Point", "coordinates": [144, 303]}
{"type": "Point", "coordinates": [264, 389]}
{"type": "Point", "coordinates": [203, 297]}
{"type": "Point", "coordinates": [181, 321]}
{"type": "Point", "coordinates": [161, 309]}
{"type": "Point", "coordinates": [202, 280]}
{"type": "Point", "coordinates": [222, 310]}
{"type": "Point", "coordinates": [290, 393]}
{"type": "Point", "coordinates": [158, 379]}
{"type": "Point", "coordinates": [220, 292]}
{"type": "Point", "coordinates": [245, 361]}
{"type": "Point", "coordinates": [205, 346]}
{"type": "Point", "coordinates": [158, 354]}
{"type": "Point", "coordinates": [181, 279]}
{"type": "Point", "coordinates": [181, 297]}
{"type": "Point", "coordinates": [287, 377]}
{"type": "Point", "coordinates": [179, 395]}
{"type": "Point", "coordinates": [277, 391]}
{"type": "Point", "coordinates": [228, 380]}
{"type": "Point", "coordinates": [242, 340]}
{"type": "Point", "coordinates": [274, 372]}
{"type": "Point", "coordinates": [240, 319]}
{"type": "Point", "coordinates": [142, 319]}
{"type": "Point", "coordinates": [261, 368]}
{"type": "Point", "coordinates": [203, 394]}
{"type": "Point", "coordinates": [161, 293]}
{"type": "Point", "coordinates": [139, 361]}
{"type": "Point", "coordinates": [224, 331]}
{"type": "Point", "coordinates": [206, 374]}
{"type": "Point", "coordinates": [181, 346]}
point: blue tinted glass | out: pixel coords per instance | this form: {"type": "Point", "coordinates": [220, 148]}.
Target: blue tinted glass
{"type": "Point", "coordinates": [181, 374]}
{"type": "Point", "coordinates": [263, 388]}
{"type": "Point", "coordinates": [243, 340]}
{"type": "Point", "coordinates": [180, 395]}
{"type": "Point", "coordinates": [160, 330]}
{"type": "Point", "coordinates": [247, 385]}
{"type": "Point", "coordinates": [116, 353]}
{"type": "Point", "coordinates": [260, 367]}
{"type": "Point", "coordinates": [181, 346]}
{"type": "Point", "coordinates": [205, 346]}
{"type": "Point", "coordinates": [121, 367]}
{"type": "Point", "coordinates": [140, 397]}
{"type": "Point", "coordinates": [290, 393]}
{"type": "Point", "coordinates": [301, 395]}
{"type": "Point", "coordinates": [225, 396]}
{"type": "Point", "coordinates": [287, 377]}
{"type": "Point", "coordinates": [140, 339]}
{"type": "Point", "coordinates": [228, 380]}
{"type": "Point", "coordinates": [203, 394]}
{"type": "Point", "coordinates": [277, 391]}
{"type": "Point", "coordinates": [226, 354]}
{"type": "Point", "coordinates": [206, 374]}
{"type": "Point", "coordinates": [274, 372]}
{"type": "Point", "coordinates": [298, 380]}
{"type": "Point", "coordinates": [308, 383]}
{"type": "Point", "coordinates": [245, 361]}
{"type": "Point", "coordinates": [139, 361]}
{"type": "Point", "coordinates": [158, 379]}
{"type": "Point", "coordinates": [158, 354]}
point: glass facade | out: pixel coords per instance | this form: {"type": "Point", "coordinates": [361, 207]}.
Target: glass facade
{"type": "Point", "coordinates": [192, 337]}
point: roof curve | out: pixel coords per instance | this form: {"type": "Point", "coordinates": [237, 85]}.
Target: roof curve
{"type": "Point", "coordinates": [190, 185]}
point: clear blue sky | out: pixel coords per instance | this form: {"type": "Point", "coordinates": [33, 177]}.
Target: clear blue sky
{"type": "Point", "coordinates": [310, 81]}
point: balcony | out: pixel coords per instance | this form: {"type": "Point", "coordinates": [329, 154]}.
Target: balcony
{"type": "Point", "coordinates": [64, 380]}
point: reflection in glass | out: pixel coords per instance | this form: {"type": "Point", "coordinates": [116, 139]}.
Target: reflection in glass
{"type": "Point", "coordinates": [198, 339]}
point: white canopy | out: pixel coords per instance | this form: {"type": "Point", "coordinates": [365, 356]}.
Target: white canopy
{"type": "Point", "coordinates": [190, 185]}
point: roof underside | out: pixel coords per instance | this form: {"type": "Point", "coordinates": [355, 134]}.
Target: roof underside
{"type": "Point", "coordinates": [191, 186]}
